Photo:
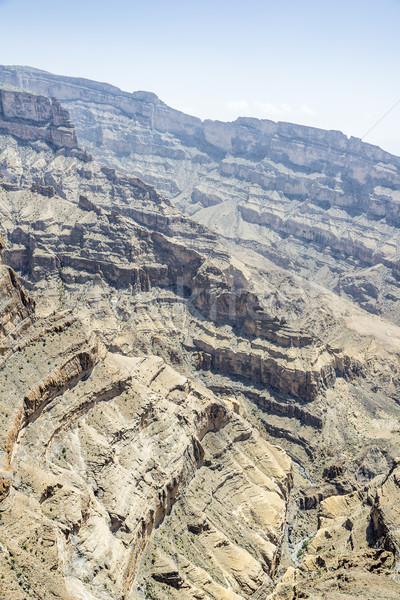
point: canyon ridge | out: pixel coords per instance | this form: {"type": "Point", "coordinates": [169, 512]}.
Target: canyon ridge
{"type": "Point", "coordinates": [199, 353]}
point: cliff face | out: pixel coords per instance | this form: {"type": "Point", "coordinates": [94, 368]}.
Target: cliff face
{"type": "Point", "coordinates": [97, 447]}
{"type": "Point", "coordinates": [30, 116]}
{"type": "Point", "coordinates": [124, 231]}
{"type": "Point", "coordinates": [141, 401]}
{"type": "Point", "coordinates": [78, 502]}
{"type": "Point", "coordinates": [312, 201]}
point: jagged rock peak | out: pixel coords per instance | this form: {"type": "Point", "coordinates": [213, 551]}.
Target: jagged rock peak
{"type": "Point", "coordinates": [33, 117]}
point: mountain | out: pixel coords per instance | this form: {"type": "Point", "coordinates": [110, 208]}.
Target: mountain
{"type": "Point", "coordinates": [312, 201]}
{"type": "Point", "coordinates": [148, 370]}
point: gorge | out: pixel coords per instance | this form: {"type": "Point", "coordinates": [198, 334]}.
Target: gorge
{"type": "Point", "coordinates": [199, 353]}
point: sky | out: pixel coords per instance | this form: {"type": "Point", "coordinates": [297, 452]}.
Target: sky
{"type": "Point", "coordinates": [333, 65]}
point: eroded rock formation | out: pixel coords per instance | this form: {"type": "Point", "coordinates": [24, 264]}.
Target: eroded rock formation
{"type": "Point", "coordinates": [315, 202]}
{"type": "Point", "coordinates": [141, 399]}
{"type": "Point", "coordinates": [30, 116]}
{"type": "Point", "coordinates": [97, 448]}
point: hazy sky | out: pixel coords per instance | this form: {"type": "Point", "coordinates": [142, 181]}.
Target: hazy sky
{"type": "Point", "coordinates": [328, 64]}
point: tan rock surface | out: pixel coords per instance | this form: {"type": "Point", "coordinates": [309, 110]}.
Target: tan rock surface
{"type": "Point", "coordinates": [98, 465]}
{"type": "Point", "coordinates": [140, 400]}
{"type": "Point", "coordinates": [316, 202]}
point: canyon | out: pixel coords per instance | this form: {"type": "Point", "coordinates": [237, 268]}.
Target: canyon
{"type": "Point", "coordinates": [187, 413]}
{"type": "Point", "coordinates": [314, 202]}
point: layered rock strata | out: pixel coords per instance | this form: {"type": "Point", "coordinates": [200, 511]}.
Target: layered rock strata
{"type": "Point", "coordinates": [30, 116]}
{"type": "Point", "coordinates": [97, 448]}
{"type": "Point", "coordinates": [354, 552]}
{"type": "Point", "coordinates": [315, 202]}
{"type": "Point", "coordinates": [134, 444]}
{"type": "Point", "coordinates": [115, 227]}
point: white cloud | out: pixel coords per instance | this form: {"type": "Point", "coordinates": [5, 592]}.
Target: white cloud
{"type": "Point", "coordinates": [237, 105]}
{"type": "Point", "coordinates": [267, 108]}
{"type": "Point", "coordinates": [285, 108]}
{"type": "Point", "coordinates": [273, 109]}
{"type": "Point", "coordinates": [307, 110]}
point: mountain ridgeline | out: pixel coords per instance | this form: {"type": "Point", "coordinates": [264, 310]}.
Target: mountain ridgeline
{"type": "Point", "coordinates": [200, 405]}
{"type": "Point", "coordinates": [312, 201]}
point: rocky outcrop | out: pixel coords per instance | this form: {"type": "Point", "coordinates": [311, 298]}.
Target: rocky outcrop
{"type": "Point", "coordinates": [22, 402]}
{"type": "Point", "coordinates": [29, 116]}
{"type": "Point", "coordinates": [17, 310]}
{"type": "Point", "coordinates": [116, 229]}
{"type": "Point", "coordinates": [315, 202]}
{"type": "Point", "coordinates": [291, 373]}
{"type": "Point", "coordinates": [121, 443]}
{"type": "Point", "coordinates": [138, 401]}
{"type": "Point", "coordinates": [385, 512]}
{"type": "Point", "coordinates": [361, 527]}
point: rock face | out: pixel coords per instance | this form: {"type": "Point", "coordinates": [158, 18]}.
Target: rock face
{"type": "Point", "coordinates": [30, 116]}
{"type": "Point", "coordinates": [141, 398]}
{"type": "Point", "coordinates": [312, 201]}
{"type": "Point", "coordinates": [109, 445]}
{"type": "Point", "coordinates": [355, 551]}
{"type": "Point", "coordinates": [115, 227]}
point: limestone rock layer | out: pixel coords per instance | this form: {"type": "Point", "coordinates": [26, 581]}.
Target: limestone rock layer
{"type": "Point", "coordinates": [315, 202]}
{"type": "Point", "coordinates": [148, 372]}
